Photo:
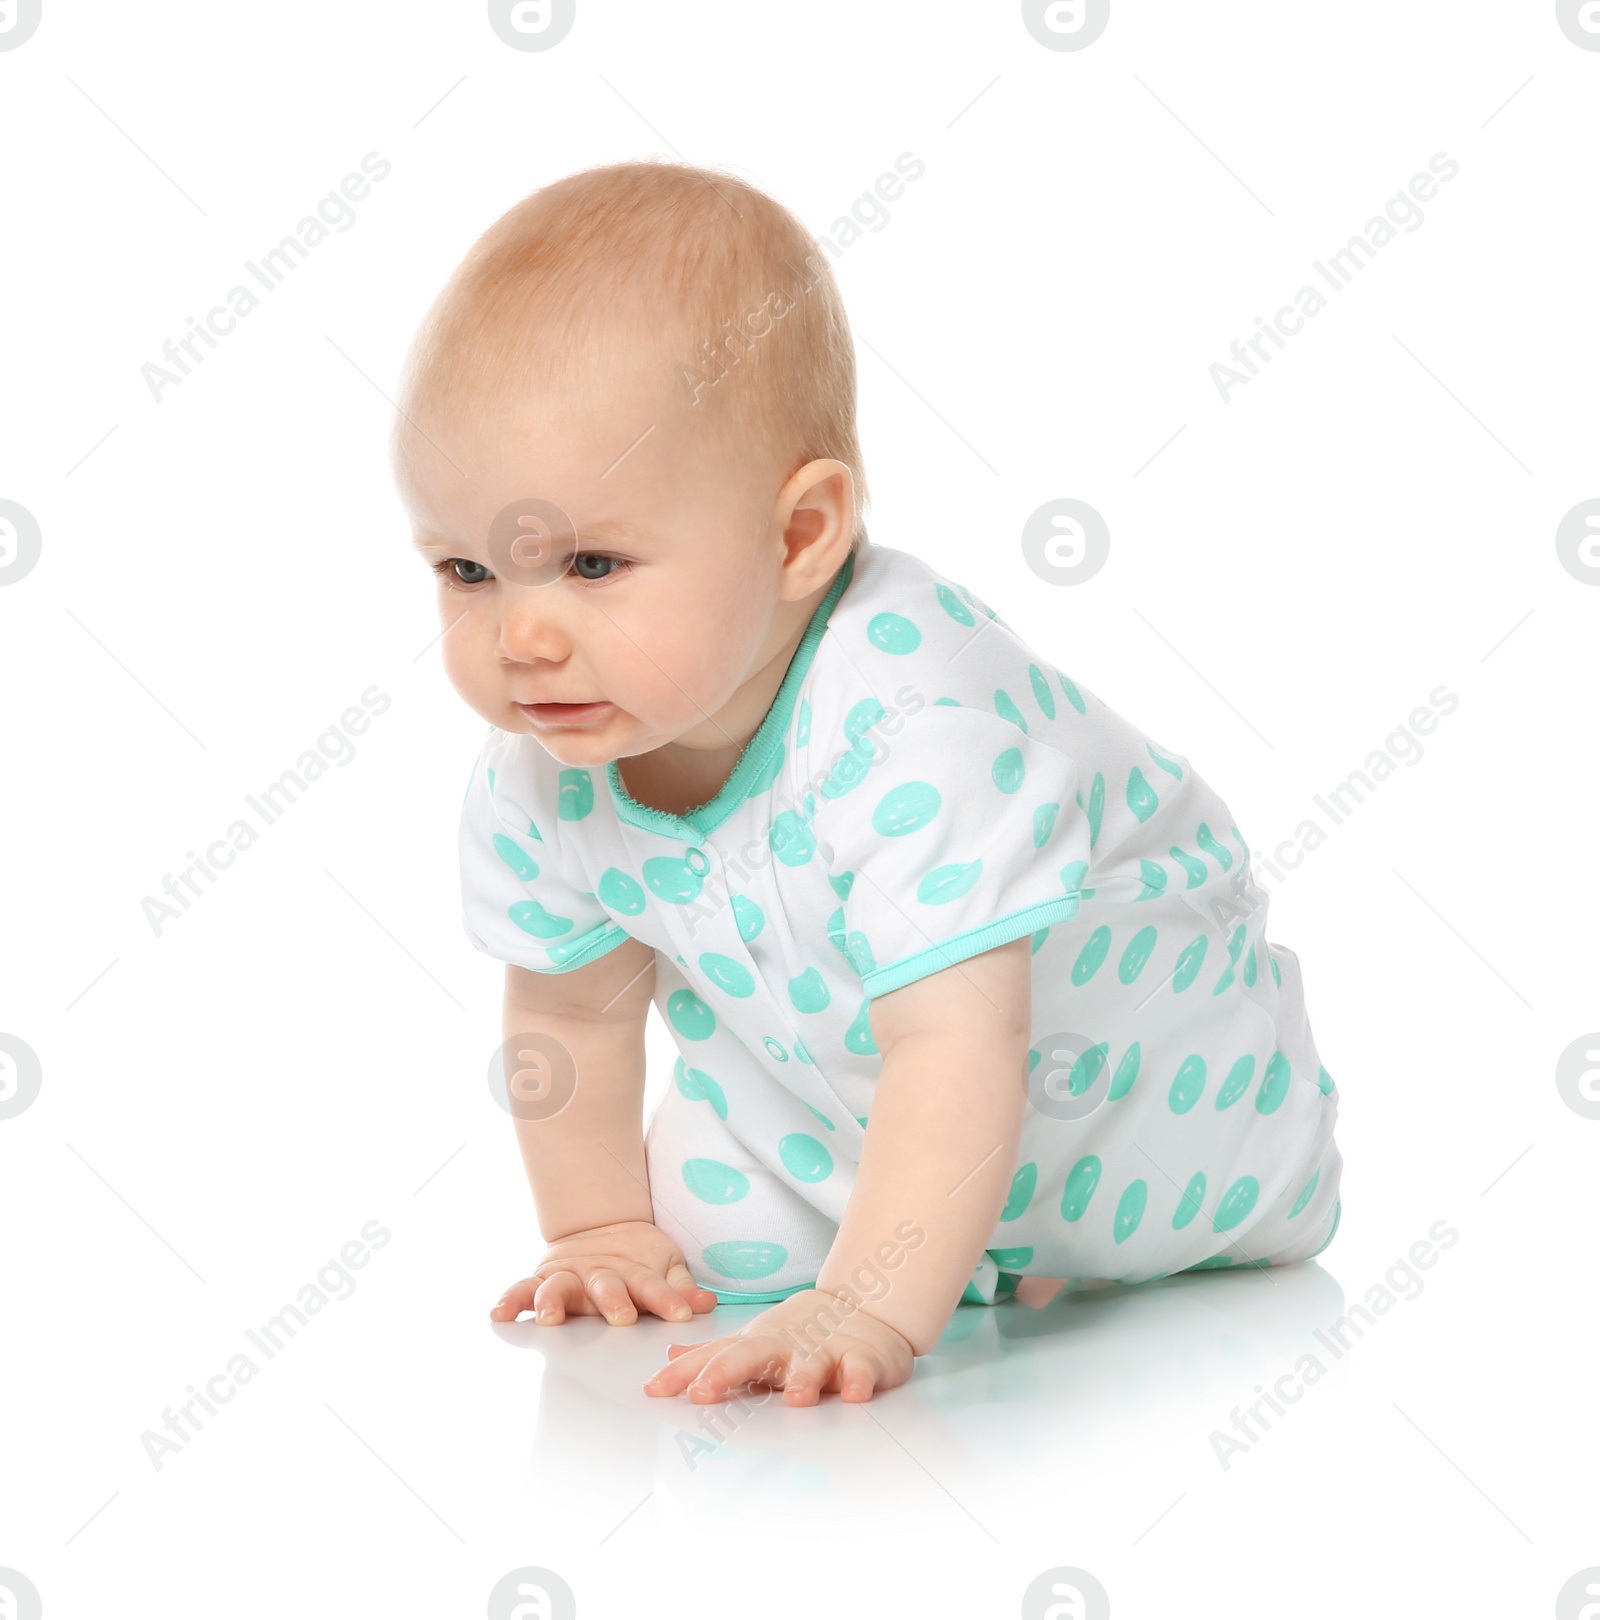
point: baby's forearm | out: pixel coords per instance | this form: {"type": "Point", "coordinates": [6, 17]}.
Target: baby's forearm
{"type": "Point", "coordinates": [585, 1158]}
{"type": "Point", "coordinates": [938, 1157]}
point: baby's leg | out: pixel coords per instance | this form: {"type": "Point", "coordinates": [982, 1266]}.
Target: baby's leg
{"type": "Point", "coordinates": [745, 1233]}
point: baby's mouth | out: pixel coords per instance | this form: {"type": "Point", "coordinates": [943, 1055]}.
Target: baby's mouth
{"type": "Point", "coordinates": [566, 714]}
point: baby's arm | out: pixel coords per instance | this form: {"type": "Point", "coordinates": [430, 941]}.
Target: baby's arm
{"type": "Point", "coordinates": [585, 1155]}
{"type": "Point", "coordinates": [941, 1147]}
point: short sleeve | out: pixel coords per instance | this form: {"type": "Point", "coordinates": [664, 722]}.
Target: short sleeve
{"type": "Point", "coordinates": [948, 837]}
{"type": "Point", "coordinates": [518, 905]}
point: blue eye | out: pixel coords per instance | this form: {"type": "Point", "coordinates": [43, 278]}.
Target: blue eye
{"type": "Point", "coordinates": [461, 571]}
{"type": "Point", "coordinates": [584, 560]}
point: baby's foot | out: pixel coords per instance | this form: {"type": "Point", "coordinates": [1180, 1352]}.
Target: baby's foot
{"type": "Point", "coordinates": [1038, 1291]}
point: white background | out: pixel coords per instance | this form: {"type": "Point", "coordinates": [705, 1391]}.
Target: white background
{"type": "Point", "coordinates": [225, 1104]}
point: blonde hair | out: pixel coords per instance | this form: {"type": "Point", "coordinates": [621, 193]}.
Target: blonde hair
{"type": "Point", "coordinates": [665, 253]}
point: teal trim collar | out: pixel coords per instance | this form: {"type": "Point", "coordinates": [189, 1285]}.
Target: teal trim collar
{"type": "Point", "coordinates": [750, 774]}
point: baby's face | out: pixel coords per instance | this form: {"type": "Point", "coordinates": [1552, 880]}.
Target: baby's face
{"type": "Point", "coordinates": [646, 614]}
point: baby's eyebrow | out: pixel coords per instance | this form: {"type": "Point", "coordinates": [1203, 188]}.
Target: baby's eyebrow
{"type": "Point", "coordinates": [620, 529]}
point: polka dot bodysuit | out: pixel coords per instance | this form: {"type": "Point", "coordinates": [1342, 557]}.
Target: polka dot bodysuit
{"type": "Point", "coordinates": [926, 787]}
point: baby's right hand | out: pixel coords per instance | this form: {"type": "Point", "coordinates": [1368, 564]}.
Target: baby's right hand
{"type": "Point", "coordinates": [611, 1271]}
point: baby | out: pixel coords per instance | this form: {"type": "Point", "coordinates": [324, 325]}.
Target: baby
{"type": "Point", "coordinates": [968, 977]}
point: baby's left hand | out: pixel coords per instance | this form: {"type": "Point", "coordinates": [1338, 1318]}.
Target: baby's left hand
{"type": "Point", "coordinates": [856, 1357]}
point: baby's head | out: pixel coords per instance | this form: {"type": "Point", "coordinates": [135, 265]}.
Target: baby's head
{"type": "Point", "coordinates": [627, 445]}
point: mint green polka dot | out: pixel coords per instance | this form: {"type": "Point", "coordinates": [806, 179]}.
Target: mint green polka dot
{"type": "Point", "coordinates": [1187, 1084]}
{"type": "Point", "coordinates": [1233, 1088]}
{"type": "Point", "coordinates": [804, 1157]}
{"type": "Point", "coordinates": [1189, 960]}
{"type": "Point", "coordinates": [726, 974]}
{"type": "Point", "coordinates": [1196, 869]}
{"type": "Point", "coordinates": [1072, 876]}
{"type": "Point", "coordinates": [836, 935]}
{"type": "Point", "coordinates": [1324, 1080]}
{"type": "Point", "coordinates": [1237, 1202]}
{"type": "Point", "coordinates": [698, 1086]}
{"type": "Point", "coordinates": [1249, 973]}
{"type": "Point", "coordinates": [1170, 766]}
{"type": "Point", "coordinates": [1007, 710]}
{"type": "Point", "coordinates": [749, 916]}
{"type": "Point", "coordinates": [1081, 1183]}
{"type": "Point", "coordinates": [675, 878]}
{"type": "Point", "coordinates": [1042, 695]}
{"type": "Point", "coordinates": [1218, 852]}
{"type": "Point", "coordinates": [490, 774]}
{"type": "Point", "coordinates": [842, 883]}
{"type": "Point", "coordinates": [1086, 1070]}
{"type": "Point", "coordinates": [946, 883]}
{"type": "Point", "coordinates": [1092, 955]}
{"type": "Point", "coordinates": [822, 1116]}
{"type": "Point", "coordinates": [953, 605]}
{"type": "Point", "coordinates": [804, 1055]}
{"type": "Point", "coordinates": [515, 857]}
{"type": "Point", "coordinates": [1154, 876]}
{"type": "Point", "coordinates": [862, 717]}
{"type": "Point", "coordinates": [533, 919]}
{"type": "Point", "coordinates": [1008, 770]}
{"type": "Point", "coordinates": [713, 1182]}
{"type": "Point", "coordinates": [893, 633]}
{"type": "Point", "coordinates": [859, 950]}
{"type": "Point", "coordinates": [1044, 820]}
{"type": "Point", "coordinates": [1096, 807]}
{"type": "Point", "coordinates": [1305, 1197]}
{"type": "Point", "coordinates": [1073, 696]}
{"type": "Point", "coordinates": [775, 1048]}
{"type": "Point", "coordinates": [744, 1259]}
{"type": "Point", "coordinates": [1127, 1072]}
{"type": "Point", "coordinates": [1215, 1263]}
{"type": "Point", "coordinates": [1130, 1210]}
{"type": "Point", "coordinates": [690, 1016]}
{"type": "Point", "coordinates": [1012, 1257]}
{"type": "Point", "coordinates": [791, 839]}
{"type": "Point", "coordinates": [1142, 800]}
{"type": "Point", "coordinates": [576, 797]}
{"type": "Point", "coordinates": [858, 1038]}
{"type": "Point", "coordinates": [802, 729]}
{"type": "Point", "coordinates": [1023, 1184]}
{"type": "Point", "coordinates": [906, 809]}
{"type": "Point", "coordinates": [618, 892]}
{"type": "Point", "coordinates": [1277, 977]}
{"type": "Point", "coordinates": [1189, 1204]}
{"type": "Point", "coordinates": [809, 992]}
{"type": "Point", "coordinates": [1223, 983]}
{"type": "Point", "coordinates": [1274, 1083]}
{"type": "Point", "coordinates": [1135, 954]}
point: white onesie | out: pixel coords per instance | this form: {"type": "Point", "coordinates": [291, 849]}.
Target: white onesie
{"type": "Point", "coordinates": [926, 787]}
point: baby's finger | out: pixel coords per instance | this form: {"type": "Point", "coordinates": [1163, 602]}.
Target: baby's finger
{"type": "Point", "coordinates": [802, 1384]}
{"type": "Point", "coordinates": [611, 1297]}
{"type": "Point", "coordinates": [858, 1376]}
{"type": "Point", "coordinates": [688, 1360]}
{"type": "Point", "coordinates": [560, 1294]}
{"type": "Point", "coordinates": [652, 1292]}
{"type": "Point", "coordinates": [700, 1299]}
{"type": "Point", "coordinates": [736, 1364]}
{"type": "Point", "coordinates": [516, 1299]}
